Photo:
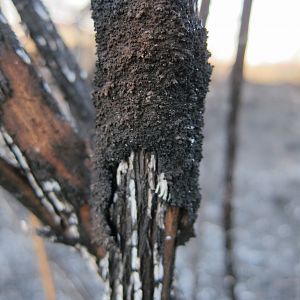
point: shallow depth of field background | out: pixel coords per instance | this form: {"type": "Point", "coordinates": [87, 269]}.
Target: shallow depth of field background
{"type": "Point", "coordinates": [267, 206]}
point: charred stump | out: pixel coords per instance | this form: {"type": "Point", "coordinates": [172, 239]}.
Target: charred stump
{"type": "Point", "coordinates": [151, 80]}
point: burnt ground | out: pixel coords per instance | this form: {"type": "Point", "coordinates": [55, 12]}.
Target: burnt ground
{"type": "Point", "coordinates": [267, 213]}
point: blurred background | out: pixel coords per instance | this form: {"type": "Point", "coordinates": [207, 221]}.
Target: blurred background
{"type": "Point", "coordinates": [267, 178]}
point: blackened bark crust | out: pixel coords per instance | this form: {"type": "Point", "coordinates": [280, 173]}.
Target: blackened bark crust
{"type": "Point", "coordinates": [5, 90]}
{"type": "Point", "coordinates": [151, 80]}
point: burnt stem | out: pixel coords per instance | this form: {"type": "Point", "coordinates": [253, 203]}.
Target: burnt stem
{"type": "Point", "coordinates": [231, 150]}
{"type": "Point", "coordinates": [204, 11]}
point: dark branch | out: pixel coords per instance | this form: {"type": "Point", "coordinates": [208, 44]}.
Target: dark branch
{"type": "Point", "coordinates": [60, 61]}
{"type": "Point", "coordinates": [231, 147]}
{"type": "Point", "coordinates": [14, 181]}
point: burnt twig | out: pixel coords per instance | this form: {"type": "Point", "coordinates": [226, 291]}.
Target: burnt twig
{"type": "Point", "coordinates": [204, 11]}
{"type": "Point", "coordinates": [231, 148]}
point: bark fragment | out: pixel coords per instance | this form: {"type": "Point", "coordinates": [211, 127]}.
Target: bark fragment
{"type": "Point", "coordinates": [140, 264]}
{"type": "Point", "coordinates": [5, 90]}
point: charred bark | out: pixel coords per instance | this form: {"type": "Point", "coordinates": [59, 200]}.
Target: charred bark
{"type": "Point", "coordinates": [51, 176]}
{"type": "Point", "coordinates": [151, 80]}
{"type": "Point", "coordinates": [145, 228]}
{"type": "Point", "coordinates": [60, 61]}
{"type": "Point", "coordinates": [231, 148]}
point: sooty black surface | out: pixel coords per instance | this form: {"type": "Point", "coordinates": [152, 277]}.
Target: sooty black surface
{"type": "Point", "coordinates": [151, 80]}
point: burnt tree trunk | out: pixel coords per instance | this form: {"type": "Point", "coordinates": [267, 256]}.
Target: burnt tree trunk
{"type": "Point", "coordinates": [151, 80]}
{"type": "Point", "coordinates": [231, 147]}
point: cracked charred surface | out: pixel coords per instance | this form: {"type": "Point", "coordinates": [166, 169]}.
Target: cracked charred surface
{"type": "Point", "coordinates": [140, 265]}
{"type": "Point", "coordinates": [31, 117]}
{"type": "Point", "coordinates": [51, 171]}
{"type": "Point", "coordinates": [151, 80]}
{"type": "Point", "coordinates": [60, 61]}
{"type": "Point", "coordinates": [5, 90]}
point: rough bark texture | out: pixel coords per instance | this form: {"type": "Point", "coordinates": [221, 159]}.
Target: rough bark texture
{"type": "Point", "coordinates": [51, 159]}
{"type": "Point", "coordinates": [60, 61]}
{"type": "Point", "coordinates": [151, 80]}
{"type": "Point", "coordinates": [140, 265]}
{"type": "Point", "coordinates": [16, 183]}
{"type": "Point", "coordinates": [32, 118]}
{"type": "Point", "coordinates": [231, 147]}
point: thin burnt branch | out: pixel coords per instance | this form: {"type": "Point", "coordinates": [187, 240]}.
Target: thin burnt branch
{"type": "Point", "coordinates": [16, 183]}
{"type": "Point", "coordinates": [172, 219]}
{"type": "Point", "coordinates": [204, 11]}
{"type": "Point", "coordinates": [231, 149]}
{"type": "Point", "coordinates": [60, 61]}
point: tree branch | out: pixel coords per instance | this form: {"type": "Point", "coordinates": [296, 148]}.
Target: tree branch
{"type": "Point", "coordinates": [204, 11]}
{"type": "Point", "coordinates": [60, 61]}
{"type": "Point", "coordinates": [231, 148]}
{"type": "Point", "coordinates": [53, 175]}
{"type": "Point", "coordinates": [16, 183]}
{"type": "Point", "coordinates": [12, 180]}
{"type": "Point", "coordinates": [32, 121]}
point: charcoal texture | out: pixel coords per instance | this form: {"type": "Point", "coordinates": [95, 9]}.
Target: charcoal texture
{"type": "Point", "coordinates": [151, 81]}
{"type": "Point", "coordinates": [5, 89]}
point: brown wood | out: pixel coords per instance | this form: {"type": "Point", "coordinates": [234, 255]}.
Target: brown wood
{"type": "Point", "coordinates": [32, 118]}
{"type": "Point", "coordinates": [60, 61]}
{"type": "Point", "coordinates": [231, 148]}
{"type": "Point", "coordinates": [46, 148]}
